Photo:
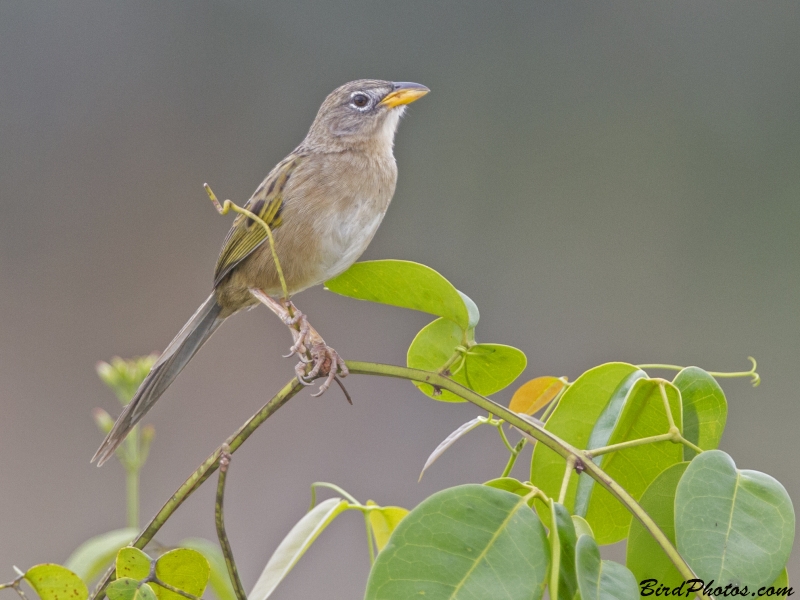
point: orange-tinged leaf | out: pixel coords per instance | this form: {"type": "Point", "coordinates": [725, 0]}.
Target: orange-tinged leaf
{"type": "Point", "coordinates": [535, 394]}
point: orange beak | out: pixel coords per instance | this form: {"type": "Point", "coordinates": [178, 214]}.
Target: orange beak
{"type": "Point", "coordinates": [404, 92]}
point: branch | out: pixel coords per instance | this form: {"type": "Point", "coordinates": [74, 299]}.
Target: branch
{"type": "Point", "coordinates": [233, 573]}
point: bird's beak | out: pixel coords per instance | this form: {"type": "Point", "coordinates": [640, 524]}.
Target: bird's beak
{"type": "Point", "coordinates": [404, 92]}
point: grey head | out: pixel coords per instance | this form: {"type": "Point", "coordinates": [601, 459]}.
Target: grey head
{"type": "Point", "coordinates": [361, 112]}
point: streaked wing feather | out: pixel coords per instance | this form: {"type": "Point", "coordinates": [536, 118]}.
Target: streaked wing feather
{"type": "Point", "coordinates": [246, 235]}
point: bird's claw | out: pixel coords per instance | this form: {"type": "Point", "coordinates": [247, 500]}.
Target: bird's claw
{"type": "Point", "coordinates": [300, 371]}
{"type": "Point", "coordinates": [326, 363]}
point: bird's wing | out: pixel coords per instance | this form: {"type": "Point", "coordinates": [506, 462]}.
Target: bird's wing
{"type": "Point", "coordinates": [246, 235]}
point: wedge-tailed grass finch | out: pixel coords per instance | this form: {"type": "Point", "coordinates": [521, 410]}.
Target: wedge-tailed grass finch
{"type": "Point", "coordinates": [323, 203]}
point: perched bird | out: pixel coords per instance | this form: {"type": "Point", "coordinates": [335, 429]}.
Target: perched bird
{"type": "Point", "coordinates": [323, 202]}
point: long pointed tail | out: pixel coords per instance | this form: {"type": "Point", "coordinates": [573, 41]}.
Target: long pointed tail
{"type": "Point", "coordinates": [180, 351]}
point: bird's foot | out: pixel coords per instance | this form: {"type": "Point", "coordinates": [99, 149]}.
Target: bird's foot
{"type": "Point", "coordinates": [317, 359]}
{"type": "Point", "coordinates": [324, 362]}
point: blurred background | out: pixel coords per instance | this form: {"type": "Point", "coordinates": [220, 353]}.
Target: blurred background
{"type": "Point", "coordinates": [608, 181]}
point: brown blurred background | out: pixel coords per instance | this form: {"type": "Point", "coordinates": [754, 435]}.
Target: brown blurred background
{"type": "Point", "coordinates": [608, 181]}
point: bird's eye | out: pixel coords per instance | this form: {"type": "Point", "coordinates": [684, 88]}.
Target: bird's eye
{"type": "Point", "coordinates": [359, 100]}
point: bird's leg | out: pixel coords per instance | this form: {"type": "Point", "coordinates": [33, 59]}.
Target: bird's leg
{"type": "Point", "coordinates": [317, 359]}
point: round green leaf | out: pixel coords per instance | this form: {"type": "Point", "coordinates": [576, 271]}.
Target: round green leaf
{"type": "Point", "coordinates": [602, 579]}
{"type": "Point", "coordinates": [182, 568]}
{"type": "Point", "coordinates": [643, 415]}
{"type": "Point", "coordinates": [94, 555]}
{"type": "Point", "coordinates": [470, 541]}
{"type": "Point", "coordinates": [484, 368]}
{"type": "Point", "coordinates": [705, 409]}
{"type": "Point", "coordinates": [431, 349]}
{"type": "Point", "coordinates": [488, 368]}
{"type": "Point", "coordinates": [732, 526]}
{"type": "Point", "coordinates": [644, 556]}
{"type": "Point", "coordinates": [219, 580]}
{"type": "Point", "coordinates": [573, 421]}
{"type": "Point", "coordinates": [133, 563]}
{"type": "Point", "coordinates": [407, 285]}
{"type": "Point", "coordinates": [127, 588]}
{"type": "Point", "coordinates": [54, 582]}
{"type": "Point", "coordinates": [295, 544]}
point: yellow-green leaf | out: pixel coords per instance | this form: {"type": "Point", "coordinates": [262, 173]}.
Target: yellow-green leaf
{"type": "Point", "coordinates": [54, 582]}
{"type": "Point", "coordinates": [182, 568]}
{"type": "Point", "coordinates": [133, 563]}
{"type": "Point", "coordinates": [384, 520]}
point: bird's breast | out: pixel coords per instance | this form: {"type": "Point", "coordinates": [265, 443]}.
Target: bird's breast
{"type": "Point", "coordinates": [344, 238]}
{"type": "Point", "coordinates": [339, 202]}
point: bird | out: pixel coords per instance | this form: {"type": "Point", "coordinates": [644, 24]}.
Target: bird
{"type": "Point", "coordinates": [323, 204]}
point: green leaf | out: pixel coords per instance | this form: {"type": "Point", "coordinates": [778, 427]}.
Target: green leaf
{"type": "Point", "coordinates": [781, 583]}
{"type": "Point", "coordinates": [384, 521]}
{"type": "Point", "coordinates": [54, 582]}
{"type": "Point", "coordinates": [407, 285]}
{"type": "Point", "coordinates": [431, 349]}
{"type": "Point", "coordinates": [705, 409]}
{"type": "Point", "coordinates": [601, 433]}
{"type": "Point", "coordinates": [553, 586]}
{"type": "Point", "coordinates": [643, 415]}
{"type": "Point", "coordinates": [601, 579]}
{"type": "Point", "coordinates": [484, 368]}
{"type": "Point", "coordinates": [564, 566]}
{"type": "Point", "coordinates": [509, 484]}
{"type": "Point", "coordinates": [582, 527]}
{"type": "Point", "coordinates": [219, 580]}
{"type": "Point", "coordinates": [182, 568]}
{"type": "Point", "coordinates": [573, 421]}
{"type": "Point", "coordinates": [472, 310]}
{"type": "Point", "coordinates": [470, 541]}
{"type": "Point", "coordinates": [732, 526]}
{"type": "Point", "coordinates": [644, 556]}
{"type": "Point", "coordinates": [133, 563]}
{"type": "Point", "coordinates": [127, 588]}
{"type": "Point", "coordinates": [295, 544]}
{"type": "Point", "coordinates": [93, 556]}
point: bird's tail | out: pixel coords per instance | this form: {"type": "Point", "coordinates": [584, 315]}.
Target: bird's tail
{"type": "Point", "coordinates": [180, 351]}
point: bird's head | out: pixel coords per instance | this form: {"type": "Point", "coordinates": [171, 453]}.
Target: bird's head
{"type": "Point", "coordinates": [362, 113]}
